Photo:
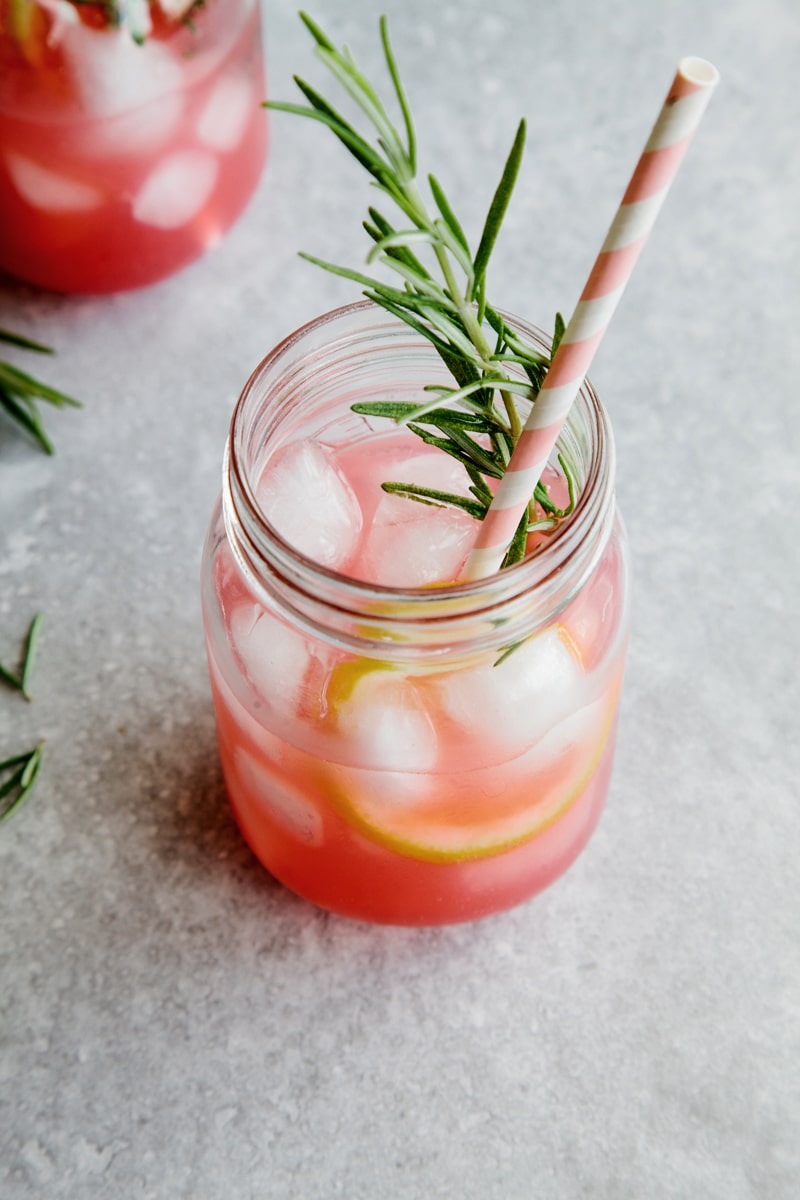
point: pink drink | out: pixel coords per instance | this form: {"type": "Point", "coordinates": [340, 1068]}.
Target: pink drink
{"type": "Point", "coordinates": [122, 162]}
{"type": "Point", "coordinates": [396, 749]}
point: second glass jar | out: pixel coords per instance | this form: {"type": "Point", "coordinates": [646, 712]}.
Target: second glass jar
{"type": "Point", "coordinates": [127, 148]}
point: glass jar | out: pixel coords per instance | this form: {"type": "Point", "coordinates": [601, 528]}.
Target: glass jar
{"type": "Point", "coordinates": [403, 754]}
{"type": "Point", "coordinates": [127, 147]}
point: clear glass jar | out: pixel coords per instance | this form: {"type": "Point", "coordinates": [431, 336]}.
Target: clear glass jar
{"type": "Point", "coordinates": [126, 149]}
{"type": "Point", "coordinates": [417, 755]}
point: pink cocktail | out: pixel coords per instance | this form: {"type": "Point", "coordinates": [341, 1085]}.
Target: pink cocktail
{"type": "Point", "coordinates": [398, 747]}
{"type": "Point", "coordinates": [126, 150]}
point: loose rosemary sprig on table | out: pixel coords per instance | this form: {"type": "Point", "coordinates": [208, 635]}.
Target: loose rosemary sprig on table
{"type": "Point", "coordinates": [19, 392]}
{"type": "Point", "coordinates": [22, 770]}
{"type": "Point", "coordinates": [18, 773]}
{"type": "Point", "coordinates": [479, 420]}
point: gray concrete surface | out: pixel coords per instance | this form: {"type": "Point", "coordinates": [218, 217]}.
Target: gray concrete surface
{"type": "Point", "coordinates": [172, 1022]}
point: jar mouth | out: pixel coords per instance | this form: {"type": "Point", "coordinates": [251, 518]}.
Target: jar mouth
{"type": "Point", "coordinates": [287, 376]}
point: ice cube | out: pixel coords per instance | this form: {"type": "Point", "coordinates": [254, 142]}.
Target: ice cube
{"type": "Point", "coordinates": [515, 703]}
{"type": "Point", "coordinates": [408, 543]}
{"type": "Point", "coordinates": [50, 191]}
{"type": "Point", "coordinates": [133, 93]}
{"type": "Point", "coordinates": [429, 468]}
{"type": "Point", "coordinates": [176, 9]}
{"type": "Point", "coordinates": [277, 659]}
{"type": "Point", "coordinates": [176, 190]}
{"type": "Point", "coordinates": [143, 130]}
{"type": "Point", "coordinates": [225, 115]}
{"type": "Point", "coordinates": [311, 504]}
{"type": "Point", "coordinates": [281, 800]}
{"type": "Point", "coordinates": [113, 74]}
{"type": "Point", "coordinates": [411, 545]}
{"type": "Point", "coordinates": [386, 725]}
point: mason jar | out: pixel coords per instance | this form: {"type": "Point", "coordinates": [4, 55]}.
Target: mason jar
{"type": "Point", "coordinates": [130, 141]}
{"type": "Point", "coordinates": [403, 753]}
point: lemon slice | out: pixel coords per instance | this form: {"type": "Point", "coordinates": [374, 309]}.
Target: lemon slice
{"type": "Point", "coordinates": [454, 818]}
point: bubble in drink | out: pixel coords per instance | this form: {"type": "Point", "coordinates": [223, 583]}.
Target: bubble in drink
{"type": "Point", "coordinates": [311, 504]}
{"type": "Point", "coordinates": [177, 190]}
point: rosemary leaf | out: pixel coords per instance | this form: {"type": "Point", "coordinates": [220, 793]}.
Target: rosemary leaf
{"type": "Point", "coordinates": [19, 392]}
{"type": "Point", "coordinates": [450, 219]}
{"type": "Point", "coordinates": [17, 339]}
{"type": "Point", "coordinates": [558, 333]}
{"type": "Point", "coordinates": [423, 495]}
{"type": "Point", "coordinates": [497, 209]}
{"type": "Point", "coordinates": [31, 646]}
{"type": "Point", "coordinates": [21, 680]}
{"type": "Point", "coordinates": [21, 412]}
{"type": "Point", "coordinates": [10, 678]}
{"type": "Point", "coordinates": [516, 550]}
{"type": "Point", "coordinates": [411, 139]}
{"type": "Point", "coordinates": [18, 381]}
{"type": "Point", "coordinates": [24, 768]}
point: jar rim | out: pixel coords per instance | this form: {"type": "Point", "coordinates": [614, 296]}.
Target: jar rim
{"type": "Point", "coordinates": [261, 548]}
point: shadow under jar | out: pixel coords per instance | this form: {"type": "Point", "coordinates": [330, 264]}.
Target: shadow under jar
{"type": "Point", "coordinates": [126, 151]}
{"type": "Point", "coordinates": [409, 754]}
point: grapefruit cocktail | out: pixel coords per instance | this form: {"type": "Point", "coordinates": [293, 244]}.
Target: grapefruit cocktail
{"type": "Point", "coordinates": [131, 136]}
{"type": "Point", "coordinates": [397, 746]}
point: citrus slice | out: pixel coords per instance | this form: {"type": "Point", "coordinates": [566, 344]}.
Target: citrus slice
{"type": "Point", "coordinates": [452, 818]}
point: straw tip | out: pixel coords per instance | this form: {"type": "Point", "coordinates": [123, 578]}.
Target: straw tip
{"type": "Point", "coordinates": [698, 71]}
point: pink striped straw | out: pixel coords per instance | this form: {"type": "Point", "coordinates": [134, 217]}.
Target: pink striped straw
{"type": "Point", "coordinates": [680, 115]}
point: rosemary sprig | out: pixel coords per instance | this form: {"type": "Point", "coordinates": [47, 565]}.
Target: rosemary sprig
{"type": "Point", "coordinates": [19, 392]}
{"type": "Point", "coordinates": [21, 770]}
{"type": "Point", "coordinates": [21, 680]}
{"type": "Point", "coordinates": [478, 421]}
{"type": "Point", "coordinates": [18, 773]}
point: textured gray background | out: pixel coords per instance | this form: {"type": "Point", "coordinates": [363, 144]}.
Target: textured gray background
{"type": "Point", "coordinates": [174, 1024]}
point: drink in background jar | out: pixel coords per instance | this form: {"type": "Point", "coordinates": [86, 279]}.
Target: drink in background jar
{"type": "Point", "coordinates": [397, 747]}
{"type": "Point", "coordinates": [131, 137]}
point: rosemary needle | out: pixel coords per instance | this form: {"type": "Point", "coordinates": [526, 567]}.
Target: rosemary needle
{"type": "Point", "coordinates": [21, 769]}
{"type": "Point", "coordinates": [22, 681]}
{"type": "Point", "coordinates": [20, 392]}
{"type": "Point", "coordinates": [24, 768]}
{"type": "Point", "coordinates": [31, 646]}
{"type": "Point", "coordinates": [479, 420]}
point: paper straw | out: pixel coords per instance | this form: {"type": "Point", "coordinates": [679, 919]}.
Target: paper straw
{"type": "Point", "coordinates": [683, 108]}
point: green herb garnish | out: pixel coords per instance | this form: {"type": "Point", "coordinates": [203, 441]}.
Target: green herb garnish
{"type": "Point", "coordinates": [18, 773]}
{"type": "Point", "coordinates": [20, 392]}
{"type": "Point", "coordinates": [21, 681]}
{"type": "Point", "coordinates": [21, 771]}
{"type": "Point", "coordinates": [479, 420]}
